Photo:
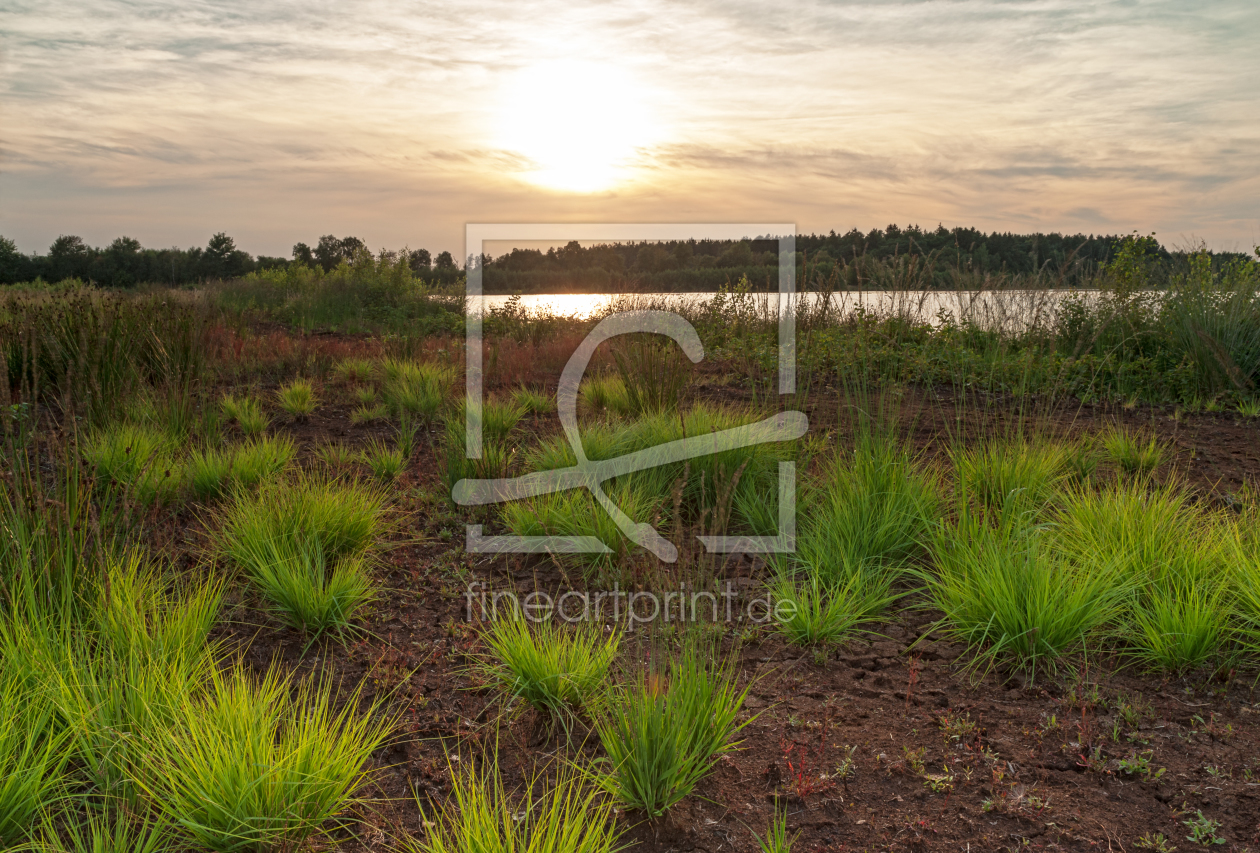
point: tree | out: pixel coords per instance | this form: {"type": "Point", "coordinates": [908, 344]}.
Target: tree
{"type": "Point", "coordinates": [444, 261]}
{"type": "Point", "coordinates": [11, 262]}
{"type": "Point", "coordinates": [69, 257]}
{"type": "Point", "coordinates": [223, 260]}
{"type": "Point", "coordinates": [419, 260]}
{"type": "Point", "coordinates": [302, 255]}
{"type": "Point", "coordinates": [328, 252]}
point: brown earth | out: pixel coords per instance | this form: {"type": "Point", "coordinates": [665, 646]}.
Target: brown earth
{"type": "Point", "coordinates": [943, 757]}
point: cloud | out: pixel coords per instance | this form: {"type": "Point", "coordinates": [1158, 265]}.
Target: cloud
{"type": "Point", "coordinates": [285, 120]}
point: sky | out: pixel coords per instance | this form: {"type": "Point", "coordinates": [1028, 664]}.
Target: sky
{"type": "Point", "coordinates": [400, 122]}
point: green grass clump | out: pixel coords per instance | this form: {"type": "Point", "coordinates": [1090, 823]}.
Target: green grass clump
{"type": "Point", "coordinates": [777, 839]}
{"type": "Point", "coordinates": [355, 370]}
{"type": "Point", "coordinates": [1174, 558]}
{"type": "Point", "coordinates": [336, 454]}
{"type": "Point", "coordinates": [110, 831]}
{"type": "Point", "coordinates": [562, 814]}
{"type": "Point", "coordinates": [1134, 455]}
{"type": "Point", "coordinates": [417, 389]}
{"type": "Point", "coordinates": [365, 395]}
{"type": "Point", "coordinates": [213, 472]}
{"type": "Point", "coordinates": [811, 611]}
{"type": "Point", "coordinates": [297, 398]}
{"type": "Point", "coordinates": [532, 402]}
{"type": "Point", "coordinates": [303, 543]}
{"type": "Point", "coordinates": [662, 734]}
{"type": "Point", "coordinates": [605, 394]}
{"type": "Point", "coordinates": [555, 669]}
{"type": "Point", "coordinates": [33, 755]}
{"type": "Point", "coordinates": [257, 765]}
{"type": "Point", "coordinates": [369, 414]}
{"type": "Point", "coordinates": [871, 516]}
{"type": "Point", "coordinates": [137, 458]}
{"type": "Point", "coordinates": [247, 412]}
{"type": "Point", "coordinates": [385, 462]}
{"type": "Point", "coordinates": [1006, 592]}
{"type": "Point", "coordinates": [1014, 475]}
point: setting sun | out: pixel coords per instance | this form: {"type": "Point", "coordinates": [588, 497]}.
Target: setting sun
{"type": "Point", "coordinates": [578, 124]}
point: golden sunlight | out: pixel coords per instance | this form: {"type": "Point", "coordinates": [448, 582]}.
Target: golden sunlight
{"type": "Point", "coordinates": [579, 124]}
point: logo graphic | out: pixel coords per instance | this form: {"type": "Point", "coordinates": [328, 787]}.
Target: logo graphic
{"type": "Point", "coordinates": [592, 474]}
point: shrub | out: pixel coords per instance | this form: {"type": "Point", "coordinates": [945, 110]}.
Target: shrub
{"type": "Point", "coordinates": [554, 669]}
{"type": "Point", "coordinates": [250, 766]}
{"type": "Point", "coordinates": [663, 735]}
{"type": "Point", "coordinates": [557, 815]}
{"type": "Point", "coordinates": [297, 398]}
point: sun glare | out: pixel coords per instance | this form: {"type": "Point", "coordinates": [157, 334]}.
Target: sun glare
{"type": "Point", "coordinates": [579, 123]}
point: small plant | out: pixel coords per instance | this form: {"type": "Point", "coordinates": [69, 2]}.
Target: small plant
{"type": "Point", "coordinates": [956, 728]}
{"type": "Point", "coordinates": [555, 670]}
{"type": "Point", "coordinates": [247, 412]}
{"type": "Point", "coordinates": [561, 814]}
{"type": "Point", "coordinates": [257, 765]}
{"type": "Point", "coordinates": [1249, 408]}
{"type": "Point", "coordinates": [1133, 455]}
{"type": "Point", "coordinates": [417, 389]}
{"type": "Point", "coordinates": [1203, 830]}
{"type": "Point", "coordinates": [365, 395]}
{"type": "Point", "coordinates": [939, 783]}
{"type": "Point", "coordinates": [303, 542]}
{"type": "Point", "coordinates": [297, 398]}
{"type": "Point", "coordinates": [1154, 841]}
{"type": "Point", "coordinates": [664, 731]}
{"type": "Point", "coordinates": [385, 462]}
{"type": "Point", "coordinates": [777, 839]}
{"type": "Point", "coordinates": [1139, 764]}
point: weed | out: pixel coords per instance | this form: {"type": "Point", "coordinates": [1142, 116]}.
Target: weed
{"type": "Point", "coordinates": [1139, 764]}
{"type": "Point", "coordinates": [1154, 841]}
{"type": "Point", "coordinates": [777, 839]}
{"type": "Point", "coordinates": [1203, 830]}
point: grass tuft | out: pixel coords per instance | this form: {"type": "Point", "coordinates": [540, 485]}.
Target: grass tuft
{"type": "Point", "coordinates": [297, 398]}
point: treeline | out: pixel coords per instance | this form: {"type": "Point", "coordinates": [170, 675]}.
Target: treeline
{"type": "Point", "coordinates": [125, 263]}
{"type": "Point", "coordinates": [854, 259]}
{"type": "Point", "coordinates": [891, 257]}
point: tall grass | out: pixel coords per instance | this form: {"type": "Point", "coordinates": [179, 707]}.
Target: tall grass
{"type": "Point", "coordinates": [1019, 475]}
{"type": "Point", "coordinates": [33, 755]}
{"type": "Point", "coordinates": [137, 458]}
